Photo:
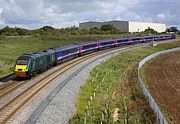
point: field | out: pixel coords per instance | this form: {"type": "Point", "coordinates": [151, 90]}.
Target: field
{"type": "Point", "coordinates": [178, 36]}
{"type": "Point", "coordinates": [118, 97]}
{"type": "Point", "coordinates": [12, 47]}
{"type": "Point", "coordinates": [162, 75]}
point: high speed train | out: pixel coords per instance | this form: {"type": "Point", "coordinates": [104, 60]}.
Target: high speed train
{"type": "Point", "coordinates": [30, 64]}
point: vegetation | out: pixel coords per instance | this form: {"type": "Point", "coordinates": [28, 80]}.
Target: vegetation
{"type": "Point", "coordinates": [178, 33]}
{"type": "Point", "coordinates": [109, 28]}
{"type": "Point", "coordinates": [150, 31]}
{"type": "Point", "coordinates": [172, 29]}
{"type": "Point", "coordinates": [48, 30]}
{"type": "Point", "coordinates": [72, 31]}
{"type": "Point", "coordinates": [112, 95]}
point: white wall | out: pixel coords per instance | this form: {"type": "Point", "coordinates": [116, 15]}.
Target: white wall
{"type": "Point", "coordinates": [141, 26]}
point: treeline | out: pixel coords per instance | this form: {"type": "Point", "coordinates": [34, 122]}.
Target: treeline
{"type": "Point", "coordinates": [48, 30]}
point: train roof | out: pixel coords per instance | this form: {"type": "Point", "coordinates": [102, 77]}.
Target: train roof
{"type": "Point", "coordinates": [25, 56]}
{"type": "Point", "coordinates": [35, 54]}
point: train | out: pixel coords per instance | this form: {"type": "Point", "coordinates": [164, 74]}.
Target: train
{"type": "Point", "coordinates": [30, 64]}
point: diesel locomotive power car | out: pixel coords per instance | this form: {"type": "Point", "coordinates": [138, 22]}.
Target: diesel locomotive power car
{"type": "Point", "coordinates": [30, 64]}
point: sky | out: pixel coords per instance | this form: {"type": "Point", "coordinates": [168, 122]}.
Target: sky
{"type": "Point", "coordinates": [34, 14]}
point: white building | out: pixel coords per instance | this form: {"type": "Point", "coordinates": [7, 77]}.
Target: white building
{"type": "Point", "coordinates": [141, 26]}
{"type": "Point", "coordinates": [126, 26]}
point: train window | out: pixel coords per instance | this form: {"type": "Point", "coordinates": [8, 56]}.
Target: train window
{"type": "Point", "coordinates": [89, 46]}
{"type": "Point", "coordinates": [118, 41]}
{"type": "Point", "coordinates": [65, 52]}
{"type": "Point", "coordinates": [106, 43]}
{"type": "Point", "coordinates": [73, 50]}
{"type": "Point", "coordinates": [136, 39]}
{"type": "Point", "coordinates": [148, 37]}
{"type": "Point", "coordinates": [123, 40]}
{"type": "Point", "coordinates": [22, 62]}
{"type": "Point", "coordinates": [68, 51]}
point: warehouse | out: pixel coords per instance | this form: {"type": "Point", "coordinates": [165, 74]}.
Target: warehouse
{"type": "Point", "coordinates": [126, 26]}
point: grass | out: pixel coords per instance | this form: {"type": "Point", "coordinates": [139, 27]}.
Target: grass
{"type": "Point", "coordinates": [116, 89]}
{"type": "Point", "coordinates": [12, 47]}
{"type": "Point", "coordinates": [177, 36]}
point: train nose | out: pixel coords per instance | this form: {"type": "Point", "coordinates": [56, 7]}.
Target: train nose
{"type": "Point", "coordinates": [21, 70]}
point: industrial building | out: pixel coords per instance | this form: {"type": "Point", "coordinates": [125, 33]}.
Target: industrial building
{"type": "Point", "coordinates": [126, 26]}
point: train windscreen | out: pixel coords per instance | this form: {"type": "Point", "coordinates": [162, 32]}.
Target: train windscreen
{"type": "Point", "coordinates": [22, 62]}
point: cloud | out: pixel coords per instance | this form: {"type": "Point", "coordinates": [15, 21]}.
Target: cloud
{"type": "Point", "coordinates": [160, 10]}
{"type": "Point", "coordinates": [161, 16]}
{"type": "Point", "coordinates": [63, 13]}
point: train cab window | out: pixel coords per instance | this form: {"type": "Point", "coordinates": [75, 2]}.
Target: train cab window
{"type": "Point", "coordinates": [22, 62]}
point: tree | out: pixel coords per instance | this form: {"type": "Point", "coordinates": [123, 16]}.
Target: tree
{"type": "Point", "coordinates": [107, 27]}
{"type": "Point", "coordinates": [168, 30]}
{"type": "Point", "coordinates": [74, 28]}
{"type": "Point", "coordinates": [47, 28]}
{"type": "Point", "coordinates": [178, 32]}
{"type": "Point", "coordinates": [150, 31]}
{"type": "Point", "coordinates": [173, 29]}
{"type": "Point", "coordinates": [94, 28]}
{"type": "Point", "coordinates": [7, 31]}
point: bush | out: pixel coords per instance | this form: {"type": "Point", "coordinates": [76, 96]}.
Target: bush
{"type": "Point", "coordinates": [150, 31]}
{"type": "Point", "coordinates": [107, 27]}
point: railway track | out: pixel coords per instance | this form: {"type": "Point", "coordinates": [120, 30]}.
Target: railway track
{"type": "Point", "coordinates": [9, 109]}
{"type": "Point", "coordinates": [9, 88]}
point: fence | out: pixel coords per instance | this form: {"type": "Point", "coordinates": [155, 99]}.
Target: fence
{"type": "Point", "coordinates": [151, 101]}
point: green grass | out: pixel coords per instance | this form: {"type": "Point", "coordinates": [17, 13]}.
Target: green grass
{"type": "Point", "coordinates": [12, 47]}
{"type": "Point", "coordinates": [116, 86]}
{"type": "Point", "coordinates": [177, 36]}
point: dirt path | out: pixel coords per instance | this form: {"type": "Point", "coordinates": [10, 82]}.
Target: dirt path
{"type": "Point", "coordinates": [163, 77]}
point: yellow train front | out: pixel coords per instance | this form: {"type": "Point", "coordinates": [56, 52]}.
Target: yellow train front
{"type": "Point", "coordinates": [21, 67]}
{"type": "Point", "coordinates": [28, 65]}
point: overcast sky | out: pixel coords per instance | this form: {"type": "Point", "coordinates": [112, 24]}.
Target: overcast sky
{"type": "Point", "coordinates": [62, 13]}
